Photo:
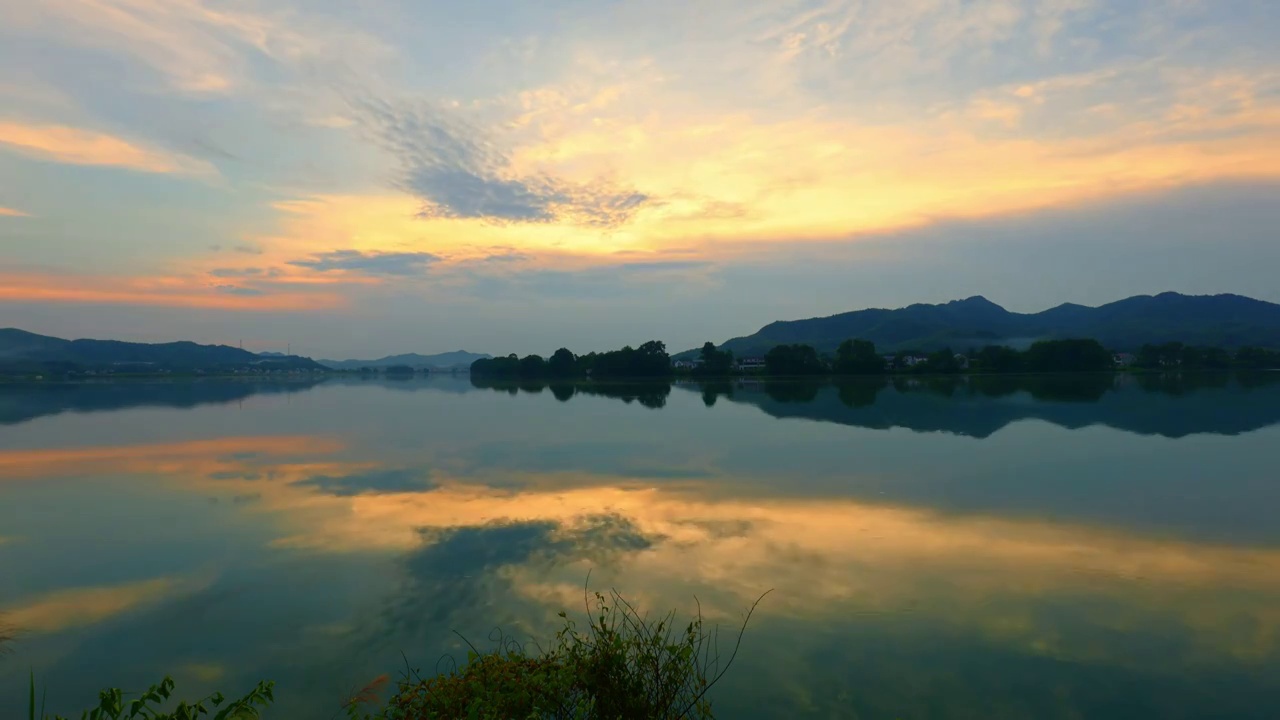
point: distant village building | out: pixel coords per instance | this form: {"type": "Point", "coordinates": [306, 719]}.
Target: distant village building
{"type": "Point", "coordinates": [962, 361]}
{"type": "Point", "coordinates": [684, 364]}
{"type": "Point", "coordinates": [751, 364]}
{"type": "Point", "coordinates": [1125, 359]}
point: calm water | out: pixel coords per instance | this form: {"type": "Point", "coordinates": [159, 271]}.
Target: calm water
{"type": "Point", "coordinates": [1084, 547]}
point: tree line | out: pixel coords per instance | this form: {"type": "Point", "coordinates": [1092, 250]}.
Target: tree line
{"type": "Point", "coordinates": [648, 360]}
{"type": "Point", "coordinates": [860, 357]}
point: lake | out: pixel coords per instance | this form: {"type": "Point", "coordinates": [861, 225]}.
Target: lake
{"type": "Point", "coordinates": [1037, 547]}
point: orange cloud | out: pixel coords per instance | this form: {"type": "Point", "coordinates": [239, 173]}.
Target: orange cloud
{"type": "Point", "coordinates": [10, 212]}
{"type": "Point", "coordinates": [715, 182]}
{"type": "Point", "coordinates": [78, 607]}
{"type": "Point", "coordinates": [75, 146]}
{"type": "Point", "coordinates": [827, 557]}
{"type": "Point", "coordinates": [196, 457]}
{"type": "Point", "coordinates": [167, 292]}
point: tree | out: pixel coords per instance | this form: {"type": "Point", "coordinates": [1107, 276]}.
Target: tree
{"type": "Point", "coordinates": [648, 360]}
{"type": "Point", "coordinates": [715, 363]}
{"type": "Point", "coordinates": [508, 366]}
{"type": "Point", "coordinates": [1167, 355]}
{"type": "Point", "coordinates": [1068, 356]}
{"type": "Point", "coordinates": [858, 357]}
{"type": "Point", "coordinates": [532, 366]}
{"type": "Point", "coordinates": [998, 359]}
{"type": "Point", "coordinates": [942, 361]}
{"type": "Point", "coordinates": [793, 360]}
{"type": "Point", "coordinates": [562, 364]}
{"type": "Point", "coordinates": [1204, 358]}
{"type": "Point", "coordinates": [1255, 358]}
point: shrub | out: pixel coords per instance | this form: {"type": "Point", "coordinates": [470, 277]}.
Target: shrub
{"type": "Point", "coordinates": [112, 705]}
{"type": "Point", "coordinates": [623, 665]}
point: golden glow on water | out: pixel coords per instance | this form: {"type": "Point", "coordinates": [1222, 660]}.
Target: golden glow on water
{"type": "Point", "coordinates": [827, 557]}
{"type": "Point", "coordinates": [79, 607]}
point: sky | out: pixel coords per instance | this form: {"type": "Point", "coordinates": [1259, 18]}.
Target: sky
{"type": "Point", "coordinates": [360, 179]}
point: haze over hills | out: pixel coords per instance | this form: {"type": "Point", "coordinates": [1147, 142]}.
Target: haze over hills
{"type": "Point", "coordinates": [21, 349]}
{"type": "Point", "coordinates": [1229, 321]}
{"type": "Point", "coordinates": [440, 361]}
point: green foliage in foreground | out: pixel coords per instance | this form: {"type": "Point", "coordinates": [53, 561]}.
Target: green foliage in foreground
{"type": "Point", "coordinates": [622, 665]}
{"type": "Point", "coordinates": [112, 705]}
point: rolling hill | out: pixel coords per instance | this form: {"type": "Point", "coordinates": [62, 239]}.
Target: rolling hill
{"type": "Point", "coordinates": [1219, 320]}
{"type": "Point", "coordinates": [20, 349]}
{"type": "Point", "coordinates": [442, 361]}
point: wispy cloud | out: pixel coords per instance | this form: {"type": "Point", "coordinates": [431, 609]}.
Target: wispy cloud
{"type": "Point", "coordinates": [199, 47]}
{"type": "Point", "coordinates": [373, 263]}
{"type": "Point", "coordinates": [238, 290]}
{"type": "Point", "coordinates": [236, 272]}
{"type": "Point", "coordinates": [378, 482]}
{"type": "Point", "coordinates": [78, 607]}
{"type": "Point", "coordinates": [181, 292]}
{"type": "Point", "coordinates": [10, 212]}
{"type": "Point", "coordinates": [459, 171]}
{"type": "Point", "coordinates": [75, 146]}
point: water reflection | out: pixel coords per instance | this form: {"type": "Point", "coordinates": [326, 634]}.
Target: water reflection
{"type": "Point", "coordinates": [1222, 403]}
{"type": "Point", "coordinates": [24, 402]}
{"type": "Point", "coordinates": [318, 541]}
{"type": "Point", "coordinates": [649, 394]}
{"type": "Point", "coordinates": [981, 406]}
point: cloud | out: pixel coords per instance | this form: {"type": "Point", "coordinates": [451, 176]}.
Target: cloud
{"type": "Point", "coordinates": [78, 607]}
{"type": "Point", "coordinates": [200, 48]}
{"type": "Point", "coordinates": [75, 146]}
{"type": "Point", "coordinates": [373, 263]}
{"type": "Point", "coordinates": [376, 482]}
{"type": "Point", "coordinates": [663, 266]}
{"type": "Point", "coordinates": [10, 212]}
{"type": "Point", "coordinates": [637, 278]}
{"type": "Point", "coordinates": [162, 291]}
{"type": "Point", "coordinates": [506, 255]}
{"type": "Point", "coordinates": [240, 291]}
{"type": "Point", "coordinates": [248, 249]}
{"type": "Point", "coordinates": [458, 171]}
{"type": "Point", "coordinates": [236, 272]}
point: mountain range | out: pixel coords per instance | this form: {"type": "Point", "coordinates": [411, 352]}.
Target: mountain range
{"type": "Point", "coordinates": [1229, 321]}
{"type": "Point", "coordinates": [441, 361]}
{"type": "Point", "coordinates": [22, 350]}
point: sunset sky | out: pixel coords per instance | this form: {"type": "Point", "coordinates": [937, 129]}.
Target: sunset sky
{"type": "Point", "coordinates": [362, 178]}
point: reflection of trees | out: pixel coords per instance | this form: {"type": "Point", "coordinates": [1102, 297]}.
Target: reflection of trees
{"type": "Point", "coordinates": [24, 402]}
{"type": "Point", "coordinates": [1178, 384]}
{"type": "Point", "coordinates": [714, 389]}
{"type": "Point", "coordinates": [793, 391]}
{"type": "Point", "coordinates": [978, 406]}
{"type": "Point", "coordinates": [649, 393]}
{"type": "Point", "coordinates": [533, 387]}
{"type": "Point", "coordinates": [860, 393]}
{"type": "Point", "coordinates": [996, 386]}
{"type": "Point", "coordinates": [1258, 379]}
{"type": "Point", "coordinates": [1080, 387]}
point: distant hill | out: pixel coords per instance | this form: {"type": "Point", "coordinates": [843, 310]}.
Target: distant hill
{"type": "Point", "coordinates": [1219, 320]}
{"type": "Point", "coordinates": [442, 361]}
{"type": "Point", "coordinates": [22, 350]}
